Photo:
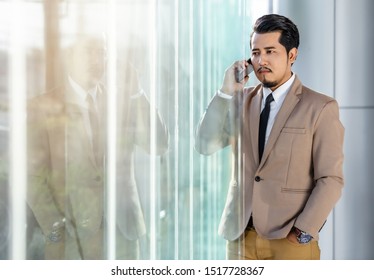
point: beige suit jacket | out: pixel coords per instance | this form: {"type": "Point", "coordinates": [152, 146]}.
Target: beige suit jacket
{"type": "Point", "coordinates": [299, 179]}
{"type": "Point", "coordinates": [64, 177]}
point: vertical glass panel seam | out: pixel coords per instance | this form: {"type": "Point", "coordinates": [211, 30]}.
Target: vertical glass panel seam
{"type": "Point", "coordinates": [176, 132]}
{"type": "Point", "coordinates": [201, 105]}
{"type": "Point", "coordinates": [191, 121]}
{"type": "Point", "coordinates": [17, 169]}
{"type": "Point", "coordinates": [112, 131]}
{"type": "Point", "coordinates": [153, 53]}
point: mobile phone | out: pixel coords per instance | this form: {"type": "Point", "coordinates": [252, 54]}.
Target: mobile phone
{"type": "Point", "coordinates": [241, 74]}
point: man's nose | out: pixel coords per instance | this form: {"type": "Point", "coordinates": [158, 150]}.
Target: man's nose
{"type": "Point", "coordinates": [262, 60]}
{"type": "Point", "coordinates": [98, 60]}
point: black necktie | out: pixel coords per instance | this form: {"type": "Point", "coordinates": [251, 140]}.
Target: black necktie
{"type": "Point", "coordinates": [263, 124]}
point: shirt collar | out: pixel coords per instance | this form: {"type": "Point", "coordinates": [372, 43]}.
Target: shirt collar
{"type": "Point", "coordinates": [81, 93]}
{"type": "Point", "coordinates": [280, 93]}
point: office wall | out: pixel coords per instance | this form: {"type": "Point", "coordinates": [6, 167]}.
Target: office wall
{"type": "Point", "coordinates": [353, 88]}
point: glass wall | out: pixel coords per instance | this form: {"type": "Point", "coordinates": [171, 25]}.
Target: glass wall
{"type": "Point", "coordinates": [120, 179]}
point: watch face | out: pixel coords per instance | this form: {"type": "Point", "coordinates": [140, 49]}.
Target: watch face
{"type": "Point", "coordinates": [304, 238]}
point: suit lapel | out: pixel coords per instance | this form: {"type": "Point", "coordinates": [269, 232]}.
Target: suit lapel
{"type": "Point", "coordinates": [254, 120]}
{"type": "Point", "coordinates": [285, 111]}
{"type": "Point", "coordinates": [56, 130]}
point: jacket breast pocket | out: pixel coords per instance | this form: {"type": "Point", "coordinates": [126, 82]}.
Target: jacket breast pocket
{"type": "Point", "coordinates": [295, 145]}
{"type": "Point", "coordinates": [290, 140]}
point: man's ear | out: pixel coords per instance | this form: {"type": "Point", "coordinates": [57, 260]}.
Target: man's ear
{"type": "Point", "coordinates": [292, 55]}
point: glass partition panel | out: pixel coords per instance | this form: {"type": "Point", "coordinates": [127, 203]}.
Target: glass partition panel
{"type": "Point", "coordinates": [113, 92]}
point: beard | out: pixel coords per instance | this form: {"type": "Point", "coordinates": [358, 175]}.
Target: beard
{"type": "Point", "coordinates": [264, 81]}
{"type": "Point", "coordinates": [269, 84]}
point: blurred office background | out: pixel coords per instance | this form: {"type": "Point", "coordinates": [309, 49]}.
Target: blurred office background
{"type": "Point", "coordinates": [180, 49]}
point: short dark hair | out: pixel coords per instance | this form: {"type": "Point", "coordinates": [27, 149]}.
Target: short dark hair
{"type": "Point", "coordinates": [289, 38]}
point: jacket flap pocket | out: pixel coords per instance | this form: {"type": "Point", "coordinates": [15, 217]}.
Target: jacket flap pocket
{"type": "Point", "coordinates": [293, 130]}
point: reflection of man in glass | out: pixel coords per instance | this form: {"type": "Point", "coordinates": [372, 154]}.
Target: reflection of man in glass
{"type": "Point", "coordinates": [66, 136]}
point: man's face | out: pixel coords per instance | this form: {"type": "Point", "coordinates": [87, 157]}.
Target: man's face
{"type": "Point", "coordinates": [87, 62]}
{"type": "Point", "coordinates": [271, 63]}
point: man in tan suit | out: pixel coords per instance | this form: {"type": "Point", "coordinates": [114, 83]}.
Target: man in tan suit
{"type": "Point", "coordinates": [287, 166]}
{"type": "Point", "coordinates": [67, 159]}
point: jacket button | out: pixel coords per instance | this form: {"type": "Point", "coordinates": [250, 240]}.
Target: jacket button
{"type": "Point", "coordinates": [257, 178]}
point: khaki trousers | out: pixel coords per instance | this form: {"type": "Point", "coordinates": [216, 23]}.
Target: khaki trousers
{"type": "Point", "coordinates": [250, 246]}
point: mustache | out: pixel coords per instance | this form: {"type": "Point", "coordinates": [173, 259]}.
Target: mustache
{"type": "Point", "coordinates": [264, 68]}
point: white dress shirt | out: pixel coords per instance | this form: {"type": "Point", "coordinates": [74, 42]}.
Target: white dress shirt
{"type": "Point", "coordinates": [82, 94]}
{"type": "Point", "coordinates": [279, 95]}
{"type": "Point", "coordinates": [80, 99]}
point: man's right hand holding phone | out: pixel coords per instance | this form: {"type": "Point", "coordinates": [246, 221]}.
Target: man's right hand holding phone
{"type": "Point", "coordinates": [236, 77]}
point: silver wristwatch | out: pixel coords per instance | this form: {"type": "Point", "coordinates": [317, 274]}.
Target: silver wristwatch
{"type": "Point", "coordinates": [302, 236]}
{"type": "Point", "coordinates": [57, 231]}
